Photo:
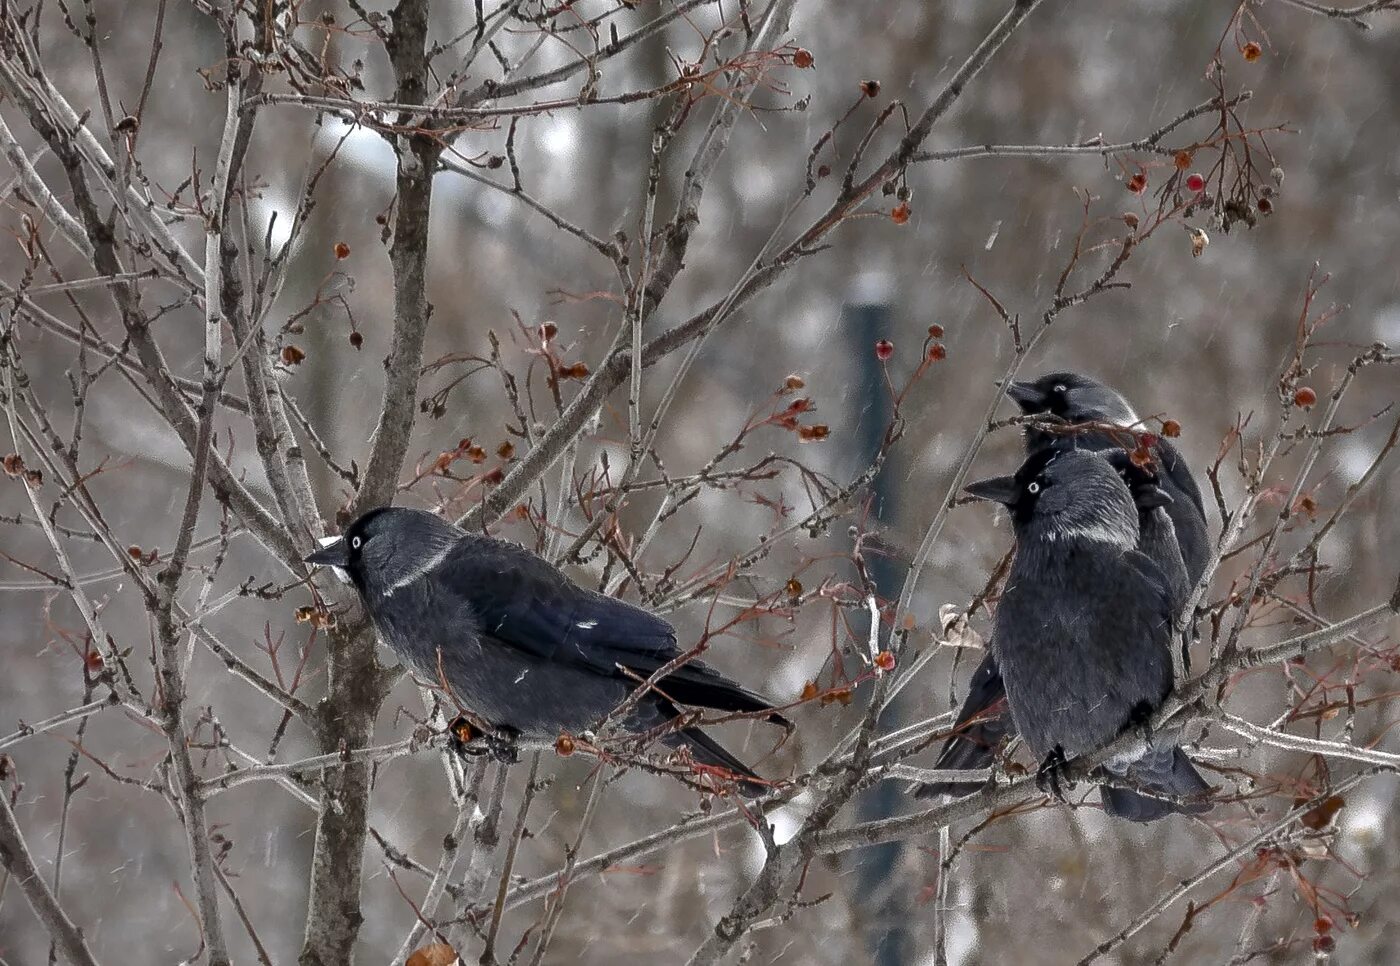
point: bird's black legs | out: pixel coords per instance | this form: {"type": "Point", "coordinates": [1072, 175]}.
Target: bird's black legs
{"type": "Point", "coordinates": [1140, 719]}
{"type": "Point", "coordinates": [1050, 775]}
{"type": "Point", "coordinates": [471, 741]}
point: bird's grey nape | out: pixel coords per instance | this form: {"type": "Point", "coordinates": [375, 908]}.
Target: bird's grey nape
{"type": "Point", "coordinates": [1092, 529]}
{"type": "Point", "coordinates": [414, 573]}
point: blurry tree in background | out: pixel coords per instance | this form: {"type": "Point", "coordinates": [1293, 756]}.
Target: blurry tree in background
{"type": "Point", "coordinates": [572, 273]}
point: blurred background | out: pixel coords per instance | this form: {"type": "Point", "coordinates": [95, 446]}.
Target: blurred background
{"type": "Point", "coordinates": [1199, 339]}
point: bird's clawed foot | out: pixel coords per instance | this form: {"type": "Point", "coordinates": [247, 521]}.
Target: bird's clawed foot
{"type": "Point", "coordinates": [469, 740]}
{"type": "Point", "coordinates": [1140, 720]}
{"type": "Point", "coordinates": [1049, 777]}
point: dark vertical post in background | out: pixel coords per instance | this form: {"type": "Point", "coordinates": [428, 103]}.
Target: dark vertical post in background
{"type": "Point", "coordinates": [882, 900]}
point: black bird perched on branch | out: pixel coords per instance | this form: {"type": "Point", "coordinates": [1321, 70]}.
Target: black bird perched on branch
{"type": "Point", "coordinates": [982, 722]}
{"type": "Point", "coordinates": [520, 645]}
{"type": "Point", "coordinates": [1085, 627]}
{"type": "Point", "coordinates": [1078, 399]}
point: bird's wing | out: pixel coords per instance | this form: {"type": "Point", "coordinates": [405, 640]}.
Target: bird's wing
{"type": "Point", "coordinates": [1174, 465]}
{"type": "Point", "coordinates": [521, 602]}
{"type": "Point", "coordinates": [1144, 581]}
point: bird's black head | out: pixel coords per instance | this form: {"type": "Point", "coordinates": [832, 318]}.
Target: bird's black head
{"type": "Point", "coordinates": [1065, 494]}
{"type": "Point", "coordinates": [1072, 397]}
{"type": "Point", "coordinates": [387, 547]}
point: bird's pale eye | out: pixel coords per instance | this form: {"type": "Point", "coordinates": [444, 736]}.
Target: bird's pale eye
{"type": "Point", "coordinates": [1033, 488]}
{"type": "Point", "coordinates": [355, 543]}
{"type": "Point", "coordinates": [1060, 388]}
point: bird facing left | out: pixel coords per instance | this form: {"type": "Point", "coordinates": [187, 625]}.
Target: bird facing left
{"type": "Point", "coordinates": [520, 645]}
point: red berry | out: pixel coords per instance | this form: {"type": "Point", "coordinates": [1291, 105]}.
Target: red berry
{"type": "Point", "coordinates": [1170, 427]}
{"type": "Point", "coordinates": [1252, 51]}
{"type": "Point", "coordinates": [937, 352]}
{"type": "Point", "coordinates": [899, 214]}
{"type": "Point", "coordinates": [884, 348]}
{"type": "Point", "coordinates": [936, 330]}
{"type": "Point", "coordinates": [884, 661]}
{"type": "Point", "coordinates": [802, 58]}
{"type": "Point", "coordinates": [1304, 397]}
{"type": "Point", "coordinates": [1137, 183]}
{"type": "Point", "coordinates": [1195, 182]}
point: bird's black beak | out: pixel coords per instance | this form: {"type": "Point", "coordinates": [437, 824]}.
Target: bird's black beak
{"type": "Point", "coordinates": [1152, 498]}
{"type": "Point", "coordinates": [331, 555]}
{"type": "Point", "coordinates": [1025, 395]}
{"type": "Point", "coordinates": [998, 489]}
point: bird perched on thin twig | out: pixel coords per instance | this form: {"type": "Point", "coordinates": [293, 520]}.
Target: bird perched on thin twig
{"type": "Point", "coordinates": [1085, 627]}
{"type": "Point", "coordinates": [982, 723]}
{"type": "Point", "coordinates": [524, 648]}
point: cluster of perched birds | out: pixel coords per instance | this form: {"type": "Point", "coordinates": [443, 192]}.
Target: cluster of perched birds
{"type": "Point", "coordinates": [1111, 539]}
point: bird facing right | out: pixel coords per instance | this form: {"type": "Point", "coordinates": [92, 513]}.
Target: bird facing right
{"type": "Point", "coordinates": [1084, 628]}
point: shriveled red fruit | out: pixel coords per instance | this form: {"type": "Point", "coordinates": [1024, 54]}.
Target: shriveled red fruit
{"type": "Point", "coordinates": [884, 349]}
{"type": "Point", "coordinates": [899, 214]}
{"type": "Point", "coordinates": [1171, 428]}
{"type": "Point", "coordinates": [802, 57]}
{"type": "Point", "coordinates": [1137, 183]}
{"type": "Point", "coordinates": [1251, 52]}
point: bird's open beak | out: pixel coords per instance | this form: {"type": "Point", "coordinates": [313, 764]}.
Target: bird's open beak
{"type": "Point", "coordinates": [1026, 396]}
{"type": "Point", "coordinates": [998, 489]}
{"type": "Point", "coordinates": [333, 554]}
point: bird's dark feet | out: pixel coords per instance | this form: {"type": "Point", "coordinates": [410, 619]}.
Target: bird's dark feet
{"type": "Point", "coordinates": [1050, 778]}
{"type": "Point", "coordinates": [471, 741]}
{"type": "Point", "coordinates": [1140, 720]}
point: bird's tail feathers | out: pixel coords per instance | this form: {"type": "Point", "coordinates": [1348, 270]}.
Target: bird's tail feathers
{"type": "Point", "coordinates": [701, 686]}
{"type": "Point", "coordinates": [983, 723]}
{"type": "Point", "coordinates": [706, 751]}
{"type": "Point", "coordinates": [1170, 785]}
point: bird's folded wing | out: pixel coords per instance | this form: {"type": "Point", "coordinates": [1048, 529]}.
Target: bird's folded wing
{"type": "Point", "coordinates": [523, 603]}
{"type": "Point", "coordinates": [1175, 467]}
{"type": "Point", "coordinates": [526, 604]}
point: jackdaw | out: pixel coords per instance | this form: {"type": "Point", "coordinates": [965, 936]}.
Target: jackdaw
{"type": "Point", "coordinates": [1078, 399]}
{"type": "Point", "coordinates": [520, 645]}
{"type": "Point", "coordinates": [982, 723]}
{"type": "Point", "coordinates": [1084, 629]}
